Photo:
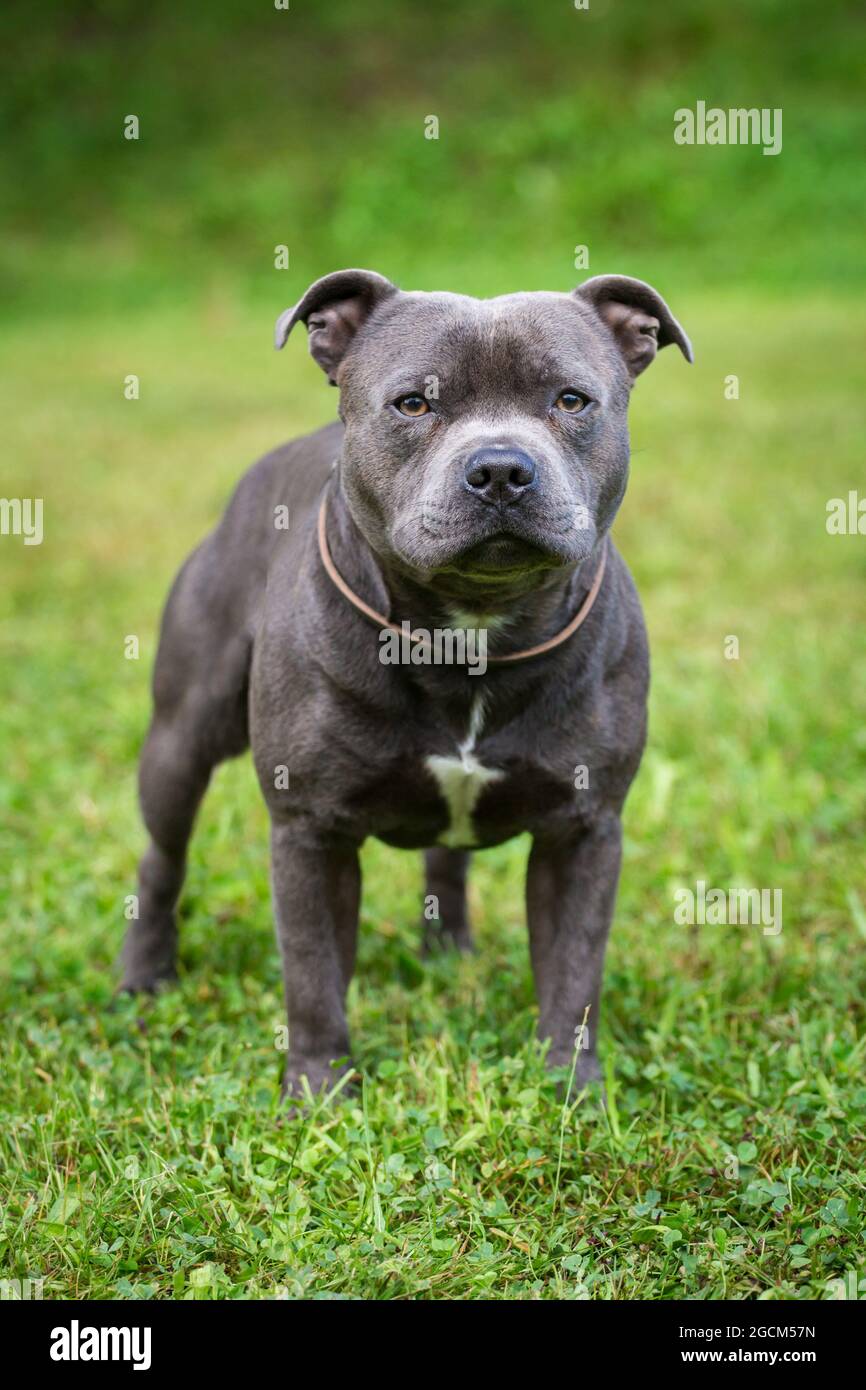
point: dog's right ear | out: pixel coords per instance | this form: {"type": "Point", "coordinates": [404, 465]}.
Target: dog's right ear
{"type": "Point", "coordinates": [334, 308]}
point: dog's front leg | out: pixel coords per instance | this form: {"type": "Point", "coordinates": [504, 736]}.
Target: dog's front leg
{"type": "Point", "coordinates": [570, 894]}
{"type": "Point", "coordinates": [316, 885]}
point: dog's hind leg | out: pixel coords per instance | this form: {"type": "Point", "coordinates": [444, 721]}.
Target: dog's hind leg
{"type": "Point", "coordinates": [445, 923]}
{"type": "Point", "coordinates": [172, 780]}
{"type": "Point", "coordinates": [200, 719]}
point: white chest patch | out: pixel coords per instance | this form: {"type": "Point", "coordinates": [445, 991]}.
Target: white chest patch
{"type": "Point", "coordinates": [461, 782]}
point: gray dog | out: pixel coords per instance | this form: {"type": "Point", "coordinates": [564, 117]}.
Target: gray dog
{"type": "Point", "coordinates": [467, 490]}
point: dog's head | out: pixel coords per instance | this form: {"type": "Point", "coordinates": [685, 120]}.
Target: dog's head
{"type": "Point", "coordinates": [486, 440]}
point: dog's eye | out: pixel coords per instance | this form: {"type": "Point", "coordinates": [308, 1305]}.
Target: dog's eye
{"type": "Point", "coordinates": [571, 401]}
{"type": "Point", "coordinates": [412, 405]}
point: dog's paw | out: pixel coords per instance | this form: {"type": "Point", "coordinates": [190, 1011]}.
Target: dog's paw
{"type": "Point", "coordinates": [437, 938]}
{"type": "Point", "coordinates": [143, 979]}
{"type": "Point", "coordinates": [587, 1072]}
{"type": "Point", "coordinates": [145, 976]}
{"type": "Point", "coordinates": [148, 959]}
{"type": "Point", "coordinates": [307, 1078]}
{"type": "Point", "coordinates": [572, 1076]}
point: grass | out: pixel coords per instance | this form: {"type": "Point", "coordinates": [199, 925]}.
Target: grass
{"type": "Point", "coordinates": [141, 1153]}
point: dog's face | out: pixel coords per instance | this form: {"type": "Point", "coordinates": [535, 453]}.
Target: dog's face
{"type": "Point", "coordinates": [486, 440]}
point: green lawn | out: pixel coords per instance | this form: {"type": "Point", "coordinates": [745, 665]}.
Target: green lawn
{"type": "Point", "coordinates": [140, 1151]}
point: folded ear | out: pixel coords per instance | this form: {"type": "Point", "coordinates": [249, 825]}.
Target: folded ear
{"type": "Point", "coordinates": [637, 316]}
{"type": "Point", "coordinates": [334, 308]}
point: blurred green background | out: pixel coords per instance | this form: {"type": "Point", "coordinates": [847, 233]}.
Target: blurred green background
{"type": "Point", "coordinates": [139, 1156]}
{"type": "Point", "coordinates": [305, 127]}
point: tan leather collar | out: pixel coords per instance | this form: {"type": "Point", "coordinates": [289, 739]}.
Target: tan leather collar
{"type": "Point", "coordinates": [420, 638]}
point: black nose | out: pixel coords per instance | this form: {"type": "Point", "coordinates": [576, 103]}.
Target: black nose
{"type": "Point", "coordinates": [499, 473]}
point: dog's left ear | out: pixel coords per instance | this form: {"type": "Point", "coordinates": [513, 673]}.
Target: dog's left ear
{"type": "Point", "coordinates": [637, 316]}
{"type": "Point", "coordinates": [334, 308]}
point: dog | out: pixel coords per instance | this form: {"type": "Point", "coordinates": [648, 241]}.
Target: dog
{"type": "Point", "coordinates": [470, 484]}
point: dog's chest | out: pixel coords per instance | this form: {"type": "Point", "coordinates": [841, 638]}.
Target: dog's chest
{"type": "Point", "coordinates": [464, 786]}
{"type": "Point", "coordinates": [461, 779]}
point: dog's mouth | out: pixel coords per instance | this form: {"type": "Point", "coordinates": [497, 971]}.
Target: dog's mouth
{"type": "Point", "coordinates": [491, 550]}
{"type": "Point", "coordinates": [503, 554]}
